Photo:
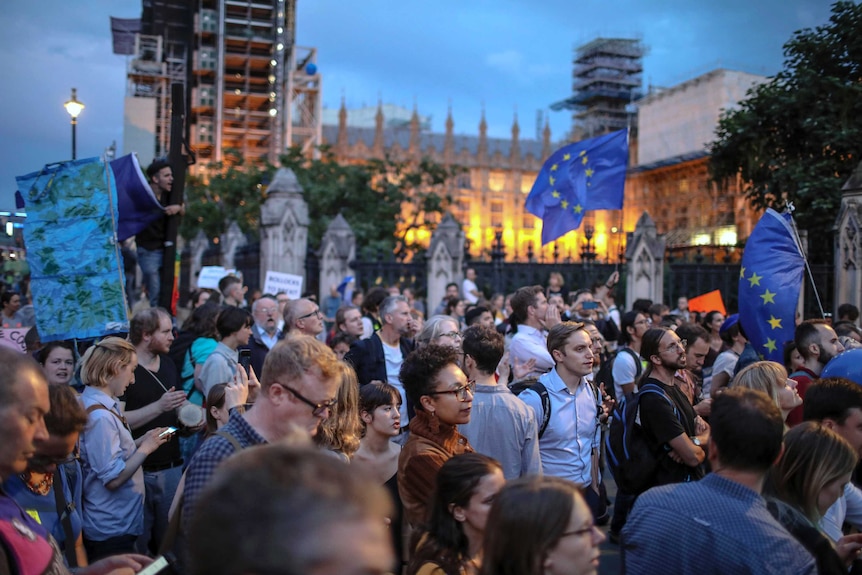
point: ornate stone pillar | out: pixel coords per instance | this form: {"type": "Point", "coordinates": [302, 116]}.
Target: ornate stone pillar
{"type": "Point", "coordinates": [337, 250]}
{"type": "Point", "coordinates": [848, 244]}
{"type": "Point", "coordinates": [445, 257]}
{"type": "Point", "coordinates": [232, 239]}
{"type": "Point", "coordinates": [283, 227]}
{"type": "Point", "coordinates": [198, 245]}
{"type": "Point", "coordinates": [645, 268]}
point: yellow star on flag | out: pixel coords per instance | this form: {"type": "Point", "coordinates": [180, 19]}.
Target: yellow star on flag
{"type": "Point", "coordinates": [555, 194]}
{"type": "Point", "coordinates": [552, 180]}
{"type": "Point", "coordinates": [754, 279]}
{"type": "Point", "coordinates": [567, 157]}
{"type": "Point", "coordinates": [770, 345]}
{"type": "Point", "coordinates": [590, 172]}
{"type": "Point", "coordinates": [578, 209]}
{"type": "Point", "coordinates": [583, 153]}
{"type": "Point", "coordinates": [565, 204]}
{"type": "Point", "coordinates": [584, 160]}
{"type": "Point", "coordinates": [741, 272]}
{"type": "Point", "coordinates": [768, 297]}
{"type": "Point", "coordinates": [774, 322]}
{"type": "Point", "coordinates": [554, 168]}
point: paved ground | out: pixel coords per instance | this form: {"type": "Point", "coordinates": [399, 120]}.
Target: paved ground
{"type": "Point", "coordinates": [609, 562]}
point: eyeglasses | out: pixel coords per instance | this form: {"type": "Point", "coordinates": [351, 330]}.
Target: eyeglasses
{"type": "Point", "coordinates": [317, 408]}
{"type": "Point", "coordinates": [267, 310]}
{"type": "Point", "coordinates": [452, 334]}
{"type": "Point", "coordinates": [314, 313]}
{"type": "Point", "coordinates": [677, 345]}
{"type": "Point", "coordinates": [459, 392]}
{"type": "Point", "coordinates": [644, 321]}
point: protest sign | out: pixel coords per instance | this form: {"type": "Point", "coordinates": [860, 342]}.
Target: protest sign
{"type": "Point", "coordinates": [277, 282]}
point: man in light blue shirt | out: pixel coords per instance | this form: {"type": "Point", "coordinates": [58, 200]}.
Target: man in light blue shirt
{"type": "Point", "coordinates": [501, 425]}
{"type": "Point", "coordinates": [569, 444]}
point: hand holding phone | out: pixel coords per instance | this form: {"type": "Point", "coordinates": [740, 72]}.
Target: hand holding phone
{"type": "Point", "coordinates": [168, 431]}
{"type": "Point", "coordinates": [245, 358]}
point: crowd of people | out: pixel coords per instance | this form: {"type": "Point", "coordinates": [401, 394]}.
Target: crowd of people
{"type": "Point", "coordinates": [278, 436]}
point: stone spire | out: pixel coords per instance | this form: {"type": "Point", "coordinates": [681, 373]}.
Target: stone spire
{"type": "Point", "coordinates": [546, 141]}
{"type": "Point", "coordinates": [377, 147]}
{"type": "Point", "coordinates": [413, 149]}
{"type": "Point", "coordinates": [515, 149]}
{"type": "Point", "coordinates": [482, 152]}
{"type": "Point", "coordinates": [449, 142]}
{"type": "Point", "coordinates": [341, 143]}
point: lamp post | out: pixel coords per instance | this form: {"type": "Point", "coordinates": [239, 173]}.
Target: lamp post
{"type": "Point", "coordinates": [74, 107]}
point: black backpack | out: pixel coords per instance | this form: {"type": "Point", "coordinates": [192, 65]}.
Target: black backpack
{"type": "Point", "coordinates": [606, 371]}
{"type": "Point", "coordinates": [629, 455]}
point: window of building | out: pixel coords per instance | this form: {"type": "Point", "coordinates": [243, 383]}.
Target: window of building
{"type": "Point", "coordinates": [497, 181]}
{"type": "Point", "coordinates": [527, 184]}
{"type": "Point", "coordinates": [529, 222]}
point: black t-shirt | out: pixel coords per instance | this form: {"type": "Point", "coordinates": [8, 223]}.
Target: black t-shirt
{"type": "Point", "coordinates": [661, 424]}
{"type": "Point", "coordinates": [153, 236]}
{"type": "Point", "coordinates": [147, 390]}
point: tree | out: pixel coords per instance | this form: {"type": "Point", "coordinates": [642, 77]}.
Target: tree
{"type": "Point", "coordinates": [797, 137]}
{"type": "Point", "coordinates": [381, 200]}
{"type": "Point", "coordinates": [233, 191]}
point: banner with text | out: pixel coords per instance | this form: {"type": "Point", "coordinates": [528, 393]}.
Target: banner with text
{"type": "Point", "coordinates": [278, 282]}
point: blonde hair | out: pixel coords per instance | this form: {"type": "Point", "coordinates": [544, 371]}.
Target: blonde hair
{"type": "Point", "coordinates": [295, 355]}
{"type": "Point", "coordinates": [104, 360]}
{"type": "Point", "coordinates": [342, 429]}
{"type": "Point", "coordinates": [766, 376]}
{"type": "Point", "coordinates": [814, 456]}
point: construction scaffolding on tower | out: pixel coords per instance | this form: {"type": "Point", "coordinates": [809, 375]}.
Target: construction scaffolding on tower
{"type": "Point", "coordinates": [606, 81]}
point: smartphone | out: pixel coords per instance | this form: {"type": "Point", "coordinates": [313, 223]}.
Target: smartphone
{"type": "Point", "coordinates": [591, 305]}
{"type": "Point", "coordinates": [168, 431]}
{"type": "Point", "coordinates": [158, 565]}
{"type": "Point", "coordinates": [245, 358]}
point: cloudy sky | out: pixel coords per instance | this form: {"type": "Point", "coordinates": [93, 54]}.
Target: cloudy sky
{"type": "Point", "coordinates": [510, 55]}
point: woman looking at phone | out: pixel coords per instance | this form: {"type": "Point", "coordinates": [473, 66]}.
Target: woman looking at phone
{"type": "Point", "coordinates": [111, 459]}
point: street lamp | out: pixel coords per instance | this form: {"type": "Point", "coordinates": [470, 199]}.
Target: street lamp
{"type": "Point", "coordinates": [74, 107]}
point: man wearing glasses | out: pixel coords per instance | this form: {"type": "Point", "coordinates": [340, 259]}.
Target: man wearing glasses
{"type": "Point", "coordinates": [628, 364]}
{"type": "Point", "coordinates": [299, 382]}
{"type": "Point", "coordinates": [303, 316]}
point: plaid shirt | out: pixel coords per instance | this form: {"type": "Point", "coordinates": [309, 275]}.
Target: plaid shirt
{"type": "Point", "coordinates": [210, 455]}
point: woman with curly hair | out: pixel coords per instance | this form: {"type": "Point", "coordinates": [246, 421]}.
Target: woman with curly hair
{"type": "Point", "coordinates": [340, 432]}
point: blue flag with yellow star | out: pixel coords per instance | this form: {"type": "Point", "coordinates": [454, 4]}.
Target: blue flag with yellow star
{"type": "Point", "coordinates": [769, 284]}
{"type": "Point", "coordinates": [586, 175]}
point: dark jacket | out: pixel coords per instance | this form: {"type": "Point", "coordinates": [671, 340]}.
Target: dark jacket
{"type": "Point", "coordinates": [258, 349]}
{"type": "Point", "coordinates": [366, 357]}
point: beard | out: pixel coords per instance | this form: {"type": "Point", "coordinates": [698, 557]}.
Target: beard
{"type": "Point", "coordinates": [824, 356]}
{"type": "Point", "coordinates": [675, 364]}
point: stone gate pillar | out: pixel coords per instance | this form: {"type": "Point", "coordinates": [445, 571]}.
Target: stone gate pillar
{"type": "Point", "coordinates": [231, 240]}
{"type": "Point", "coordinates": [645, 268]}
{"type": "Point", "coordinates": [198, 246]}
{"type": "Point", "coordinates": [848, 244]}
{"type": "Point", "coordinates": [337, 250]}
{"type": "Point", "coordinates": [283, 227]}
{"type": "Point", "coordinates": [445, 257]}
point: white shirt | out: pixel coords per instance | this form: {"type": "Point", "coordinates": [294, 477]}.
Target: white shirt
{"type": "Point", "coordinates": [394, 358]}
{"type": "Point", "coordinates": [847, 508]}
{"type": "Point", "coordinates": [467, 288]}
{"type": "Point", "coordinates": [530, 343]}
{"type": "Point", "coordinates": [624, 371]}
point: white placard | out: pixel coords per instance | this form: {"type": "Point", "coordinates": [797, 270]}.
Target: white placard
{"type": "Point", "coordinates": [280, 282]}
{"type": "Point", "coordinates": [210, 276]}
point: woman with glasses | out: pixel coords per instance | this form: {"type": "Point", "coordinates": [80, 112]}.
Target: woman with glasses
{"type": "Point", "coordinates": [442, 398]}
{"type": "Point", "coordinates": [452, 543]}
{"type": "Point", "coordinates": [440, 330]}
{"type": "Point", "coordinates": [50, 488]}
{"type": "Point", "coordinates": [540, 526]}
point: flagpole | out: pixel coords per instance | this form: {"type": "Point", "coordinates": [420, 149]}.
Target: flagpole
{"type": "Point", "coordinates": [789, 208]}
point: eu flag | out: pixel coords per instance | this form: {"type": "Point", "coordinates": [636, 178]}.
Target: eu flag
{"type": "Point", "coordinates": [137, 205]}
{"type": "Point", "coordinates": [586, 175]}
{"type": "Point", "coordinates": [769, 284]}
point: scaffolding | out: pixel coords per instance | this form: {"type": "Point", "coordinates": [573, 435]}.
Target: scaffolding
{"type": "Point", "coordinates": [304, 126]}
{"type": "Point", "coordinates": [606, 81]}
{"type": "Point", "coordinates": [147, 77]}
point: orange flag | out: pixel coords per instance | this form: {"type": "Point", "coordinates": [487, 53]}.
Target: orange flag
{"type": "Point", "coordinates": [707, 302]}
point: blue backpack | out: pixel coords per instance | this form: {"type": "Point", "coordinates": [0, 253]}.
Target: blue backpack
{"type": "Point", "coordinates": [631, 459]}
